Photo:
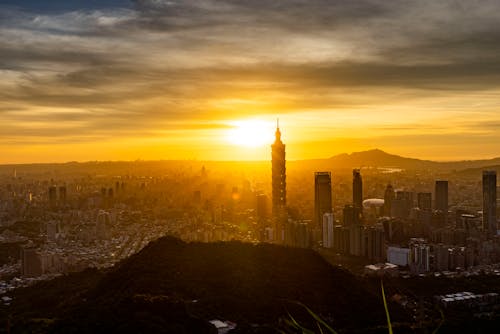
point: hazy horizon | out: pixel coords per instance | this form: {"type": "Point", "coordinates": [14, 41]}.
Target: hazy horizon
{"type": "Point", "coordinates": [242, 161]}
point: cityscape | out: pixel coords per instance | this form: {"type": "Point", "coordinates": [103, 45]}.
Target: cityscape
{"type": "Point", "coordinates": [230, 166]}
{"type": "Point", "coordinates": [376, 222]}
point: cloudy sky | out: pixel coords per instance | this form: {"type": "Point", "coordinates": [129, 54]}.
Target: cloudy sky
{"type": "Point", "coordinates": [155, 79]}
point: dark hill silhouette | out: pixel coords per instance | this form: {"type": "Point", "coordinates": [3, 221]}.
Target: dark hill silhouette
{"type": "Point", "coordinates": [175, 287]}
{"type": "Point", "coordinates": [379, 158]}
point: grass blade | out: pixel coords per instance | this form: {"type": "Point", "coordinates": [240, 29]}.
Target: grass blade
{"type": "Point", "coordinates": [318, 319]}
{"type": "Point", "coordinates": [440, 323]}
{"type": "Point", "coordinates": [320, 329]}
{"type": "Point", "coordinates": [389, 326]}
{"type": "Point", "coordinates": [293, 323]}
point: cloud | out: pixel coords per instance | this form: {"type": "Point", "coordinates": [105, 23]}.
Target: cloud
{"type": "Point", "coordinates": [142, 67]}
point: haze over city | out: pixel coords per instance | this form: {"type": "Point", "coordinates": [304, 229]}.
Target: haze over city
{"type": "Point", "coordinates": [206, 80]}
{"type": "Point", "coordinates": [256, 167]}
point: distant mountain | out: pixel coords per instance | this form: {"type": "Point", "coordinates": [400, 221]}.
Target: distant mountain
{"type": "Point", "coordinates": [370, 158]}
{"type": "Point", "coordinates": [379, 158]}
{"type": "Point", "coordinates": [176, 287]}
{"type": "Point", "coordinates": [478, 171]}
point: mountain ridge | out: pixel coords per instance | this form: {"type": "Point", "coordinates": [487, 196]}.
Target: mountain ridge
{"type": "Point", "coordinates": [379, 158]}
{"type": "Point", "coordinates": [369, 158]}
{"type": "Point", "coordinates": [172, 286]}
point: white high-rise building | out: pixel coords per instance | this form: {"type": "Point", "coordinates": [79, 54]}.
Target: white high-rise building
{"type": "Point", "coordinates": [328, 224]}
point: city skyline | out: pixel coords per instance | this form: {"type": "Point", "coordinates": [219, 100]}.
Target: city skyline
{"type": "Point", "coordinates": [205, 80]}
{"type": "Point", "coordinates": [62, 223]}
{"type": "Point", "coordinates": [236, 166]}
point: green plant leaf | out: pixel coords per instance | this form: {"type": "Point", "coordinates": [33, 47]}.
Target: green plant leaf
{"type": "Point", "coordinates": [440, 323]}
{"type": "Point", "coordinates": [316, 317]}
{"type": "Point", "coordinates": [320, 329]}
{"type": "Point", "coordinates": [294, 324]}
{"type": "Point", "coordinates": [389, 326]}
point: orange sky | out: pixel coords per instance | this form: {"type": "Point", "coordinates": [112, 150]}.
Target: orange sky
{"type": "Point", "coordinates": [206, 79]}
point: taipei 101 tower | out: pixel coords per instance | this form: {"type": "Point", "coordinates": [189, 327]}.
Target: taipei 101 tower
{"type": "Point", "coordinates": [279, 179]}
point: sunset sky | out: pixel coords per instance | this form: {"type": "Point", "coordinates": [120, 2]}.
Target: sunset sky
{"type": "Point", "coordinates": [125, 80]}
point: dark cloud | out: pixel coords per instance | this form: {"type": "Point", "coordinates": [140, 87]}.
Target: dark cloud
{"type": "Point", "coordinates": [294, 15]}
{"type": "Point", "coordinates": [107, 85]}
{"type": "Point", "coordinates": [22, 58]}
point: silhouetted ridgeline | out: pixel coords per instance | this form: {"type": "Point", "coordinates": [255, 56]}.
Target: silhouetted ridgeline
{"type": "Point", "coordinates": [370, 158]}
{"type": "Point", "coordinates": [175, 287]}
{"type": "Point", "coordinates": [379, 158]}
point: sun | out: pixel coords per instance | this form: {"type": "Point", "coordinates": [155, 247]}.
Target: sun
{"type": "Point", "coordinates": [250, 133]}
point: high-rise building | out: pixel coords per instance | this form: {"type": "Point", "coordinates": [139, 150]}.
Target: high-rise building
{"type": "Point", "coordinates": [341, 239]}
{"type": "Point", "coordinates": [424, 201]}
{"type": "Point", "coordinates": [51, 231]}
{"type": "Point", "coordinates": [278, 175]}
{"type": "Point", "coordinates": [490, 201]}
{"type": "Point", "coordinates": [102, 224]}
{"type": "Point", "coordinates": [328, 225]}
{"type": "Point", "coordinates": [62, 195]}
{"type": "Point", "coordinates": [441, 195]}
{"type": "Point", "coordinates": [441, 257]}
{"type": "Point", "coordinates": [53, 197]}
{"type": "Point", "coordinates": [419, 256]}
{"type": "Point", "coordinates": [350, 215]}
{"type": "Point", "coordinates": [357, 190]}
{"type": "Point", "coordinates": [297, 234]}
{"type": "Point", "coordinates": [401, 204]}
{"type": "Point", "coordinates": [322, 196]}
{"type": "Point", "coordinates": [398, 255]}
{"type": "Point", "coordinates": [31, 263]}
{"type": "Point", "coordinates": [388, 198]}
{"type": "Point", "coordinates": [197, 197]}
{"type": "Point", "coordinates": [261, 207]}
{"type": "Point", "coordinates": [373, 243]}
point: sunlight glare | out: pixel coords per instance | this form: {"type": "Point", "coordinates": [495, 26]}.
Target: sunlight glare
{"type": "Point", "coordinates": [250, 133]}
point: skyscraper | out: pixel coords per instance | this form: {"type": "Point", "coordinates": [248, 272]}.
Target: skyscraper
{"type": "Point", "coordinates": [490, 201]}
{"type": "Point", "coordinates": [388, 198]}
{"type": "Point", "coordinates": [401, 204]}
{"type": "Point", "coordinates": [350, 215]}
{"type": "Point", "coordinates": [424, 201]}
{"type": "Point", "coordinates": [441, 195]}
{"type": "Point", "coordinates": [261, 207]}
{"type": "Point", "coordinates": [62, 195]}
{"type": "Point", "coordinates": [278, 175]}
{"type": "Point", "coordinates": [322, 196]}
{"type": "Point", "coordinates": [53, 197]}
{"type": "Point", "coordinates": [357, 190]}
{"type": "Point", "coordinates": [328, 225]}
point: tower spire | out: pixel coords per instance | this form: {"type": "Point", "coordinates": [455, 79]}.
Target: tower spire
{"type": "Point", "coordinates": [278, 132]}
{"type": "Point", "coordinates": [279, 184]}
